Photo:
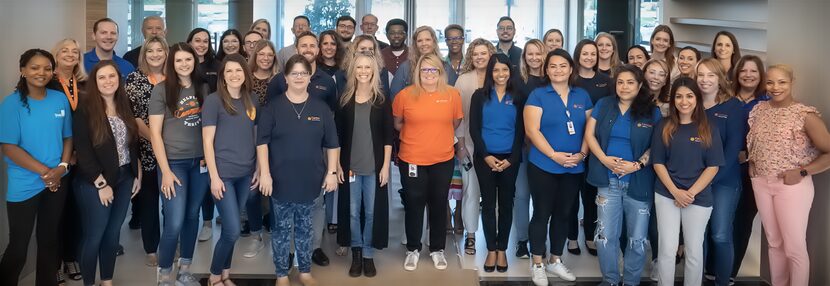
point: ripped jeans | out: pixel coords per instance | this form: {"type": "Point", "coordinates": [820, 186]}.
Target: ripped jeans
{"type": "Point", "coordinates": [613, 203]}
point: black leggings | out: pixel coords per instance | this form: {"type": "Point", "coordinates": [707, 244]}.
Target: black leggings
{"type": "Point", "coordinates": [497, 188]}
{"type": "Point", "coordinates": [553, 198]}
{"type": "Point", "coordinates": [148, 202]}
{"type": "Point", "coordinates": [428, 189]}
{"type": "Point", "coordinates": [589, 213]}
{"type": "Point", "coordinates": [45, 207]}
{"type": "Point", "coordinates": [70, 226]}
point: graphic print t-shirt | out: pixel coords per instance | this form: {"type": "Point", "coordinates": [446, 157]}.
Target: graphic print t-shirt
{"type": "Point", "coordinates": [182, 129]}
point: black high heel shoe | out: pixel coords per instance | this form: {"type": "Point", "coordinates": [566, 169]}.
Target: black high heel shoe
{"type": "Point", "coordinates": [499, 268]}
{"type": "Point", "coordinates": [490, 268]}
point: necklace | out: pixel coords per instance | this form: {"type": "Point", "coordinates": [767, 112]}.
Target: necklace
{"type": "Point", "coordinates": [295, 109]}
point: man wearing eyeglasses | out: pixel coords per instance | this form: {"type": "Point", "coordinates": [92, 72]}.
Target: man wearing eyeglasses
{"type": "Point", "coordinates": [454, 36]}
{"type": "Point", "coordinates": [506, 30]}
{"type": "Point", "coordinates": [369, 26]}
{"type": "Point", "coordinates": [345, 28]}
{"type": "Point", "coordinates": [301, 24]}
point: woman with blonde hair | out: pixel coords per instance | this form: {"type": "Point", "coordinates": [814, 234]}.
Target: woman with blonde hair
{"type": "Point", "coordinates": [263, 27]}
{"type": "Point", "coordinates": [426, 154]}
{"type": "Point", "coordinates": [608, 58]}
{"type": "Point", "coordinates": [364, 123]}
{"type": "Point", "coordinates": [471, 79]}
{"type": "Point", "coordinates": [424, 42]}
{"type": "Point", "coordinates": [368, 45]}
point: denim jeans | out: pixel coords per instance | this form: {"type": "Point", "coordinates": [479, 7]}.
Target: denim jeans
{"type": "Point", "coordinates": [102, 224]}
{"type": "Point", "coordinates": [287, 215]}
{"type": "Point", "coordinates": [230, 208]}
{"type": "Point", "coordinates": [719, 247]}
{"type": "Point", "coordinates": [613, 203]}
{"type": "Point", "coordinates": [181, 212]}
{"type": "Point", "coordinates": [362, 191]}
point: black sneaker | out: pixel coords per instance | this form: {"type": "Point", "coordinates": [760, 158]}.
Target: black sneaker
{"type": "Point", "coordinates": [319, 258]}
{"type": "Point", "coordinates": [120, 250]}
{"type": "Point", "coordinates": [246, 229]}
{"type": "Point", "coordinates": [521, 250]}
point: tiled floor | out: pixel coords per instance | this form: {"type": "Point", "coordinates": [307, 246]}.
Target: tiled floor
{"type": "Point", "coordinates": [463, 269]}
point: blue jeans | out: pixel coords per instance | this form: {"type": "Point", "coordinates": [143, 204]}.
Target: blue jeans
{"type": "Point", "coordinates": [362, 191]}
{"type": "Point", "coordinates": [613, 203]}
{"type": "Point", "coordinates": [287, 215]}
{"type": "Point", "coordinates": [181, 212]}
{"type": "Point", "coordinates": [230, 208]}
{"type": "Point", "coordinates": [102, 225]}
{"type": "Point", "coordinates": [719, 246]}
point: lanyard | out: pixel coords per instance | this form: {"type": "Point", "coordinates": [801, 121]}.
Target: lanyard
{"type": "Point", "coordinates": [153, 79]}
{"type": "Point", "coordinates": [73, 97]}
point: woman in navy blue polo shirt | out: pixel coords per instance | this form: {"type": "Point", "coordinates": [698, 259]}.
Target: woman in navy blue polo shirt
{"type": "Point", "coordinates": [295, 127]}
{"type": "Point", "coordinates": [555, 118]}
{"type": "Point", "coordinates": [497, 132]}
{"type": "Point", "coordinates": [619, 134]}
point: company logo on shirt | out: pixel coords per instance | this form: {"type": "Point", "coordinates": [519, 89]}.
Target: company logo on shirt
{"type": "Point", "coordinates": [695, 139]}
{"type": "Point", "coordinates": [602, 84]}
{"type": "Point", "coordinates": [189, 111]}
{"type": "Point", "coordinates": [442, 100]}
{"type": "Point", "coordinates": [644, 125]}
{"type": "Point", "coordinates": [579, 106]}
{"type": "Point", "coordinates": [721, 115]}
{"type": "Point", "coordinates": [320, 87]}
{"type": "Point", "coordinates": [61, 114]}
{"type": "Point", "coordinates": [313, 118]}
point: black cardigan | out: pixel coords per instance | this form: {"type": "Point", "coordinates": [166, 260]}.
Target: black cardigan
{"type": "Point", "coordinates": [95, 160]}
{"type": "Point", "coordinates": [380, 121]}
{"type": "Point", "coordinates": [476, 114]}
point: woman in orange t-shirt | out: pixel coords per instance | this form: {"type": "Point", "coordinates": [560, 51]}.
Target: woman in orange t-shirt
{"type": "Point", "coordinates": [426, 113]}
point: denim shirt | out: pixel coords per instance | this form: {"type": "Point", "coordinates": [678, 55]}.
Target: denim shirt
{"type": "Point", "coordinates": [641, 184]}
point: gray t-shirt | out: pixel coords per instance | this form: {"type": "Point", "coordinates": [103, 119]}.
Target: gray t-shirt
{"type": "Point", "coordinates": [182, 130]}
{"type": "Point", "coordinates": [362, 157]}
{"type": "Point", "coordinates": [233, 143]}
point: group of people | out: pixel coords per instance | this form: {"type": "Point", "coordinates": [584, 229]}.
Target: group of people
{"type": "Point", "coordinates": [318, 127]}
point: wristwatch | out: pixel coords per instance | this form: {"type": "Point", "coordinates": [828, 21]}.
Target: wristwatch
{"type": "Point", "coordinates": [803, 172]}
{"type": "Point", "coordinates": [65, 166]}
{"type": "Point", "coordinates": [100, 184]}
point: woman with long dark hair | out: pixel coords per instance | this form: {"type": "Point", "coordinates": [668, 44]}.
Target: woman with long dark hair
{"type": "Point", "coordinates": [619, 135]}
{"type": "Point", "coordinates": [35, 137]}
{"type": "Point", "coordinates": [175, 118]}
{"type": "Point", "coordinates": [230, 43]}
{"type": "Point", "coordinates": [686, 152]}
{"type": "Point", "coordinates": [497, 131]}
{"type": "Point", "coordinates": [106, 142]}
{"type": "Point", "coordinates": [726, 50]}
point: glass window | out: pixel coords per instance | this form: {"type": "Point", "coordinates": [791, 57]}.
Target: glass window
{"type": "Point", "coordinates": [433, 13]}
{"type": "Point", "coordinates": [266, 9]}
{"type": "Point", "coordinates": [481, 19]}
{"type": "Point", "coordinates": [147, 8]}
{"type": "Point", "coordinates": [589, 20]}
{"type": "Point", "coordinates": [386, 10]}
{"type": "Point", "coordinates": [322, 15]}
{"type": "Point", "coordinates": [648, 20]}
{"type": "Point", "coordinates": [213, 16]}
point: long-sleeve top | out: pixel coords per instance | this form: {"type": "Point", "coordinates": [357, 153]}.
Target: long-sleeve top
{"type": "Point", "coordinates": [101, 159]}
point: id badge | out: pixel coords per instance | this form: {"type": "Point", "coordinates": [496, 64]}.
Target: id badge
{"type": "Point", "coordinates": [413, 171]}
{"type": "Point", "coordinates": [352, 177]}
{"type": "Point", "coordinates": [203, 167]}
{"type": "Point", "coordinates": [571, 129]}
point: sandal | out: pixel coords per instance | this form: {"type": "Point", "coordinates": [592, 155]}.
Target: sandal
{"type": "Point", "coordinates": [341, 251]}
{"type": "Point", "coordinates": [470, 245]}
{"type": "Point", "coordinates": [227, 280]}
{"type": "Point", "coordinates": [332, 228]}
{"type": "Point", "coordinates": [73, 270]}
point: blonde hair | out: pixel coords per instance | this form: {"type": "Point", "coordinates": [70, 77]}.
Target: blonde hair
{"type": "Point", "coordinates": [785, 68]}
{"type": "Point", "coordinates": [143, 66]}
{"type": "Point", "coordinates": [351, 54]}
{"type": "Point", "coordinates": [351, 81]}
{"type": "Point", "coordinates": [433, 60]}
{"type": "Point", "coordinates": [724, 88]}
{"type": "Point", "coordinates": [468, 58]}
{"type": "Point", "coordinates": [252, 58]}
{"type": "Point", "coordinates": [257, 22]}
{"type": "Point", "coordinates": [78, 71]}
{"type": "Point", "coordinates": [524, 68]}
{"type": "Point", "coordinates": [415, 54]}
{"type": "Point", "coordinates": [615, 58]}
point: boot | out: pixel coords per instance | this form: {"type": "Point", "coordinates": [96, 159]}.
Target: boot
{"type": "Point", "coordinates": [357, 262]}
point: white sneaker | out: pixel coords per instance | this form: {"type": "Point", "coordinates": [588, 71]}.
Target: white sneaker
{"type": "Point", "coordinates": [253, 246]}
{"type": "Point", "coordinates": [206, 233]}
{"type": "Point", "coordinates": [538, 275]}
{"type": "Point", "coordinates": [559, 269]}
{"type": "Point", "coordinates": [439, 260]}
{"type": "Point", "coordinates": [654, 273]}
{"type": "Point", "coordinates": [411, 262]}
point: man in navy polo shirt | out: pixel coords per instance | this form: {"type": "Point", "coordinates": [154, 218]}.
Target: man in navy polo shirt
{"type": "Point", "coordinates": [105, 35]}
{"type": "Point", "coordinates": [322, 86]}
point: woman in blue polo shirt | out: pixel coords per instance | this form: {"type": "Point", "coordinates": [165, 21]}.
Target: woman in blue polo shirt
{"type": "Point", "coordinates": [727, 113]}
{"type": "Point", "coordinates": [686, 152]}
{"type": "Point", "coordinates": [35, 135]}
{"type": "Point", "coordinates": [554, 119]}
{"type": "Point", "coordinates": [497, 132]}
{"type": "Point", "coordinates": [619, 134]}
{"type": "Point", "coordinates": [295, 128]}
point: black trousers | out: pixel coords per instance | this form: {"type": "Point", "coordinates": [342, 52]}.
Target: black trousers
{"type": "Point", "coordinates": [148, 202]}
{"type": "Point", "coordinates": [589, 213]}
{"type": "Point", "coordinates": [428, 189]}
{"type": "Point", "coordinates": [70, 226]}
{"type": "Point", "coordinates": [497, 189]}
{"type": "Point", "coordinates": [45, 208]}
{"type": "Point", "coordinates": [744, 216]}
{"type": "Point", "coordinates": [553, 199]}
